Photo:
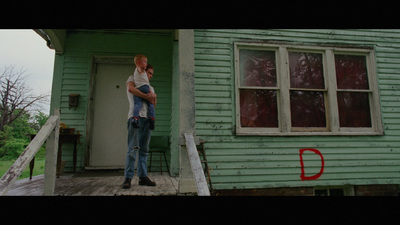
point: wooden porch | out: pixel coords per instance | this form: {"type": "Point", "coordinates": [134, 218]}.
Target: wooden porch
{"type": "Point", "coordinates": [97, 183]}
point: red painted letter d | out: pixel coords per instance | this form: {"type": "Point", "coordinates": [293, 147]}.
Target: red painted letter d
{"type": "Point", "coordinates": [316, 176]}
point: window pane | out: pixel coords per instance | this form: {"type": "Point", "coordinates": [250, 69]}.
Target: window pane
{"type": "Point", "coordinates": [306, 70]}
{"type": "Point", "coordinates": [354, 109]}
{"type": "Point", "coordinates": [351, 72]}
{"type": "Point", "coordinates": [307, 109]}
{"type": "Point", "coordinates": [258, 108]}
{"type": "Point", "coordinates": [336, 192]}
{"type": "Point", "coordinates": [321, 192]}
{"type": "Point", "coordinates": [257, 68]}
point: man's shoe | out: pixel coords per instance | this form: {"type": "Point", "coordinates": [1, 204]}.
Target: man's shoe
{"type": "Point", "coordinates": [127, 183]}
{"type": "Point", "coordinates": [146, 181]}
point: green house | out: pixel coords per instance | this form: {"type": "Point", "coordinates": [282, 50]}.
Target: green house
{"type": "Point", "coordinates": [306, 111]}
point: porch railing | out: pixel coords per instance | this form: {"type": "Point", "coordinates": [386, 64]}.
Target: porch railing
{"type": "Point", "coordinates": [197, 169]}
{"type": "Point", "coordinates": [49, 132]}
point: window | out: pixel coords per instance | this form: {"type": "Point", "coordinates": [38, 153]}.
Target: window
{"type": "Point", "coordinates": [300, 90]}
{"type": "Point", "coordinates": [334, 191]}
{"type": "Point", "coordinates": [352, 91]}
{"type": "Point", "coordinates": [307, 90]}
{"type": "Point", "coordinates": [258, 97]}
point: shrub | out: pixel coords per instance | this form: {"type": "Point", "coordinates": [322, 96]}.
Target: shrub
{"type": "Point", "coordinates": [12, 149]}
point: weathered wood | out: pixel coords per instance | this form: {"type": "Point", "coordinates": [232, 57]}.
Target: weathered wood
{"type": "Point", "coordinates": [23, 160]}
{"type": "Point", "coordinates": [273, 161]}
{"type": "Point", "coordinates": [197, 169]}
{"type": "Point", "coordinates": [187, 108]}
{"type": "Point", "coordinates": [97, 184]}
{"type": "Point", "coordinates": [51, 157]}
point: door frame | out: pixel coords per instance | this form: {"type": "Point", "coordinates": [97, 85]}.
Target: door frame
{"type": "Point", "coordinates": [98, 59]}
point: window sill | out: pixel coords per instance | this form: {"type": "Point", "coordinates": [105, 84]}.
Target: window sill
{"type": "Point", "coordinates": [259, 133]}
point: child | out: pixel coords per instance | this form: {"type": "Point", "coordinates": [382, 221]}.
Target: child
{"type": "Point", "coordinates": [142, 84]}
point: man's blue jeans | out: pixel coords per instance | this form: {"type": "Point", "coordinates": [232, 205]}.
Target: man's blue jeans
{"type": "Point", "coordinates": [138, 141]}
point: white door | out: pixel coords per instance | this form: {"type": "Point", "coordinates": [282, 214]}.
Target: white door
{"type": "Point", "coordinates": [109, 131]}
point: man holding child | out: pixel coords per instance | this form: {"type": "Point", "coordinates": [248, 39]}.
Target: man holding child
{"type": "Point", "coordinates": [139, 132]}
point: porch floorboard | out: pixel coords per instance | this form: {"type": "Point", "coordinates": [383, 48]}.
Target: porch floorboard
{"type": "Point", "coordinates": [97, 184]}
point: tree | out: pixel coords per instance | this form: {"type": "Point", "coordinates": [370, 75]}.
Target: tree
{"type": "Point", "coordinates": [15, 136]}
{"type": "Point", "coordinates": [15, 96]}
{"type": "Point", "coordinates": [40, 118]}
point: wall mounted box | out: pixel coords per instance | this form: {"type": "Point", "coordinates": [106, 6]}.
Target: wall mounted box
{"type": "Point", "coordinates": [73, 100]}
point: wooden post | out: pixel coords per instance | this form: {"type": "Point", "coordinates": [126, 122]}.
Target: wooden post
{"type": "Point", "coordinates": [51, 158]}
{"type": "Point", "coordinates": [197, 169]}
{"type": "Point", "coordinates": [187, 115]}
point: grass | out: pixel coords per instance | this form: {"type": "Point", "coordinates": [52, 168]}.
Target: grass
{"type": "Point", "coordinates": [37, 170]}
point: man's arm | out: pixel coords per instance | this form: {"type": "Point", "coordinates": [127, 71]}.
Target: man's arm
{"type": "Point", "coordinates": [151, 97]}
{"type": "Point", "coordinates": [155, 99]}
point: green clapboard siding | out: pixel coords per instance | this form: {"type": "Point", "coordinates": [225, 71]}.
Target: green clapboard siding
{"type": "Point", "coordinates": [272, 161]}
{"type": "Point", "coordinates": [73, 70]}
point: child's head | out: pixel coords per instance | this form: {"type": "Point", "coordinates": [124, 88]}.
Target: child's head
{"type": "Point", "coordinates": [140, 61]}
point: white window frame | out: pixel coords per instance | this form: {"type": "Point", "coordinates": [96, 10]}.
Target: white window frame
{"type": "Point", "coordinates": [283, 91]}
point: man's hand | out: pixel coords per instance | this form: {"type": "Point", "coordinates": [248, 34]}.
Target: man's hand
{"type": "Point", "coordinates": [152, 98]}
{"type": "Point", "coordinates": [141, 69]}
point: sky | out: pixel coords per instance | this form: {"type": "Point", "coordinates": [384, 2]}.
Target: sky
{"type": "Point", "coordinates": [27, 50]}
